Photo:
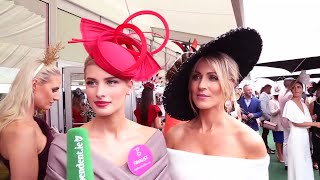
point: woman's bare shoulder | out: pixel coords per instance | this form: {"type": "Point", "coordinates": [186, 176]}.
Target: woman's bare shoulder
{"type": "Point", "coordinates": [18, 134]}
{"type": "Point", "coordinates": [251, 142]}
{"type": "Point", "coordinates": [18, 128]}
{"type": "Point", "coordinates": [141, 131]}
{"type": "Point", "coordinates": [142, 128]}
{"type": "Point", "coordinates": [147, 131]}
{"type": "Point", "coordinates": [175, 134]}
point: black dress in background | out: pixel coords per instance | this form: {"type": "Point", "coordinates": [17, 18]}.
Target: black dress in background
{"type": "Point", "coordinates": [316, 133]}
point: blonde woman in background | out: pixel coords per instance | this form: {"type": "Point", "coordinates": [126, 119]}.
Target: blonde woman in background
{"type": "Point", "coordinates": [24, 139]}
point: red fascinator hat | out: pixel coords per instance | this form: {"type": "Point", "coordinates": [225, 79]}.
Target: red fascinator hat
{"type": "Point", "coordinates": [149, 85]}
{"type": "Point", "coordinates": [118, 53]}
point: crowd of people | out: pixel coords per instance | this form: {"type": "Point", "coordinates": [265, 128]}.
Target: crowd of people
{"type": "Point", "coordinates": [218, 124]}
{"type": "Point", "coordinates": [289, 115]}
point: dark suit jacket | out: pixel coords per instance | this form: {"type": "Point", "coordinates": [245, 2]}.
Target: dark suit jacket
{"type": "Point", "coordinates": [254, 108]}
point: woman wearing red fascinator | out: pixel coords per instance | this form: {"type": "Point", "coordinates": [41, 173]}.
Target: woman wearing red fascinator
{"type": "Point", "coordinates": [147, 113]}
{"type": "Point", "coordinates": [117, 144]}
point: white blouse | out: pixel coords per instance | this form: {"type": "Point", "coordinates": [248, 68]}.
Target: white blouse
{"type": "Point", "coordinates": [292, 112]}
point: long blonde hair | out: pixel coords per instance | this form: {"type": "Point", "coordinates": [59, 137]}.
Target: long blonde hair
{"type": "Point", "coordinates": [227, 71]}
{"type": "Point", "coordinates": [19, 100]}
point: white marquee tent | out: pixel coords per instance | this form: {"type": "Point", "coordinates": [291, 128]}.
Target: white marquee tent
{"type": "Point", "coordinates": [23, 26]}
{"type": "Point", "coordinates": [23, 37]}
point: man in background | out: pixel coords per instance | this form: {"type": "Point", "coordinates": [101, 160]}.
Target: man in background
{"type": "Point", "coordinates": [250, 108]}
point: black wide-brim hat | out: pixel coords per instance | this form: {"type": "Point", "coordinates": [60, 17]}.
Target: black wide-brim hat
{"type": "Point", "coordinates": [244, 45]}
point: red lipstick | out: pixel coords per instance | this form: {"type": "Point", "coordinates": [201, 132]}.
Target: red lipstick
{"type": "Point", "coordinates": [102, 103]}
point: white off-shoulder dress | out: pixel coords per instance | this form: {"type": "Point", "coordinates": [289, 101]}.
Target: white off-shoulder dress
{"type": "Point", "coordinates": [191, 166]}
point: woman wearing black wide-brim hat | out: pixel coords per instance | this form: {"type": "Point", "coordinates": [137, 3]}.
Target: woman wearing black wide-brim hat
{"type": "Point", "coordinates": [212, 144]}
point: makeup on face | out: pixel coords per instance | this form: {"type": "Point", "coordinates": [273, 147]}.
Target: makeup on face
{"type": "Point", "coordinates": [45, 94]}
{"type": "Point", "coordinates": [106, 93]}
{"type": "Point", "coordinates": [205, 87]}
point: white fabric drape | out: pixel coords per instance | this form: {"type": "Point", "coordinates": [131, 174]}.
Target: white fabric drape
{"type": "Point", "coordinates": [22, 38]}
{"type": "Point", "coordinates": [20, 26]}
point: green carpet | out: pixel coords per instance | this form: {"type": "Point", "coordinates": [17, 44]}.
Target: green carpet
{"type": "Point", "coordinates": [276, 169]}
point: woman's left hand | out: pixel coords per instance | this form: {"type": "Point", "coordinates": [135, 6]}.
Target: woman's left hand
{"type": "Point", "coordinates": [314, 117]}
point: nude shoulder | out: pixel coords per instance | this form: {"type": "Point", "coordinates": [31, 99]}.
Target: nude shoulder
{"type": "Point", "coordinates": [174, 134]}
{"type": "Point", "coordinates": [311, 103]}
{"type": "Point", "coordinates": [148, 131]}
{"type": "Point", "coordinates": [251, 143]}
{"type": "Point", "coordinates": [145, 131]}
{"type": "Point", "coordinates": [18, 134]}
{"type": "Point", "coordinates": [310, 106]}
{"type": "Point", "coordinates": [19, 129]}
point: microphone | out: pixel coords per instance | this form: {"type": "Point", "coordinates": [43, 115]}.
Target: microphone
{"type": "Point", "coordinates": [79, 161]}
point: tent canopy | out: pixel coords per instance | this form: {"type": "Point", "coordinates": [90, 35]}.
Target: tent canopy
{"type": "Point", "coordinates": [278, 78]}
{"type": "Point", "coordinates": [186, 19]}
{"type": "Point", "coordinates": [295, 64]}
{"type": "Point", "coordinates": [23, 37]}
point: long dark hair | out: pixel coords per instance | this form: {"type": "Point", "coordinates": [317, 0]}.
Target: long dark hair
{"type": "Point", "coordinates": [146, 100]}
{"type": "Point", "coordinates": [77, 98]}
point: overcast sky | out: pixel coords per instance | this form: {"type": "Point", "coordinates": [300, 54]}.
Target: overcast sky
{"type": "Point", "coordinates": [289, 29]}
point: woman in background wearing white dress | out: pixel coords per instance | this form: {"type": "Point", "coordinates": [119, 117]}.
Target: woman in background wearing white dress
{"type": "Point", "coordinates": [299, 156]}
{"type": "Point", "coordinates": [212, 144]}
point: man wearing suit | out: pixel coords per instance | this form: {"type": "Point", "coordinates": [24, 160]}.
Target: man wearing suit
{"type": "Point", "coordinates": [250, 108]}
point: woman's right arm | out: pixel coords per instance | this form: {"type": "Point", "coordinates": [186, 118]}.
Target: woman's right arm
{"type": "Point", "coordinates": [307, 124]}
{"type": "Point", "coordinates": [22, 153]}
{"type": "Point", "coordinates": [157, 123]}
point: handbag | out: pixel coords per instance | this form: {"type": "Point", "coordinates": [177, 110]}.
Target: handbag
{"type": "Point", "coordinates": [248, 121]}
{"type": "Point", "coordinates": [269, 125]}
